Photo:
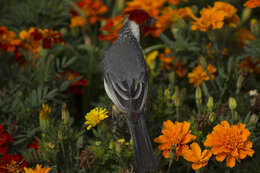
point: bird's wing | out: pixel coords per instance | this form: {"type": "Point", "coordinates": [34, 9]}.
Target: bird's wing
{"type": "Point", "coordinates": [127, 95]}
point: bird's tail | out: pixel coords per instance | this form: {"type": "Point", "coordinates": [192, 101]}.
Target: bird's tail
{"type": "Point", "coordinates": [143, 150]}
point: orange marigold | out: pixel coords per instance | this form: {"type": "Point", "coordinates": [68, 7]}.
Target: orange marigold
{"type": "Point", "coordinates": [167, 62]}
{"type": "Point", "coordinates": [175, 137]}
{"type": "Point", "coordinates": [231, 142]}
{"type": "Point", "coordinates": [150, 6]}
{"type": "Point", "coordinates": [8, 40]}
{"type": "Point", "coordinates": [176, 2]}
{"type": "Point", "coordinates": [199, 159]}
{"type": "Point", "coordinates": [198, 75]}
{"type": "Point", "coordinates": [248, 65]}
{"type": "Point", "coordinates": [93, 9]}
{"type": "Point", "coordinates": [215, 17]}
{"type": "Point", "coordinates": [243, 35]}
{"type": "Point", "coordinates": [252, 4]}
{"type": "Point", "coordinates": [111, 28]}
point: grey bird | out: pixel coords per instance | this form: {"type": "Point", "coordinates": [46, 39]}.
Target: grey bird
{"type": "Point", "coordinates": [125, 81]}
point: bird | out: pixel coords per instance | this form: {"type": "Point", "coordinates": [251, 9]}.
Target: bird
{"type": "Point", "coordinates": [126, 83]}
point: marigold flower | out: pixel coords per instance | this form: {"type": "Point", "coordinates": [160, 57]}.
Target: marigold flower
{"type": "Point", "coordinates": [95, 116]}
{"type": "Point", "coordinates": [248, 65]}
{"type": "Point", "coordinates": [243, 35]}
{"type": "Point", "coordinates": [151, 7]}
{"type": "Point", "coordinates": [199, 159]}
{"type": "Point", "coordinates": [231, 142]}
{"type": "Point", "coordinates": [38, 169]}
{"type": "Point", "coordinates": [215, 17]}
{"type": "Point", "coordinates": [76, 86]}
{"type": "Point", "coordinates": [12, 163]}
{"type": "Point", "coordinates": [111, 28]}
{"type": "Point", "coordinates": [5, 140]}
{"type": "Point", "coordinates": [198, 75]}
{"type": "Point", "coordinates": [252, 4]}
{"type": "Point", "coordinates": [93, 9]}
{"type": "Point", "coordinates": [151, 56]}
{"type": "Point", "coordinates": [175, 136]}
{"type": "Point", "coordinates": [176, 2]}
{"type": "Point", "coordinates": [167, 62]}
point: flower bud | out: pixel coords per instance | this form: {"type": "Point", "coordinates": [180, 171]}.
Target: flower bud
{"type": "Point", "coordinates": [210, 103]}
{"type": "Point", "coordinates": [44, 117]}
{"type": "Point", "coordinates": [253, 119]}
{"type": "Point", "coordinates": [254, 26]}
{"type": "Point", "coordinates": [212, 117]}
{"type": "Point", "coordinates": [232, 103]}
{"type": "Point", "coordinates": [203, 62]}
{"type": "Point", "coordinates": [198, 95]}
{"type": "Point", "coordinates": [246, 14]}
{"type": "Point", "coordinates": [65, 116]}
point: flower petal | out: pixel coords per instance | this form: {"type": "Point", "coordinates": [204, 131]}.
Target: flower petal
{"type": "Point", "coordinates": [220, 157]}
{"type": "Point", "coordinates": [231, 161]}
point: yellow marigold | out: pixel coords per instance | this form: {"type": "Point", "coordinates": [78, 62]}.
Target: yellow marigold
{"type": "Point", "coordinates": [198, 75]}
{"type": "Point", "coordinates": [77, 21]}
{"type": "Point", "coordinates": [231, 142]}
{"type": "Point", "coordinates": [199, 159]}
{"type": "Point", "coordinates": [45, 111]}
{"type": "Point", "coordinates": [215, 17]}
{"type": "Point", "coordinates": [175, 137]}
{"type": "Point", "coordinates": [38, 169]}
{"type": "Point", "coordinates": [151, 56]}
{"type": "Point", "coordinates": [252, 4]}
{"type": "Point", "coordinates": [95, 116]}
{"type": "Point", "coordinates": [150, 6]}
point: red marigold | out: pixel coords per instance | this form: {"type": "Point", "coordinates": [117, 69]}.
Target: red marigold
{"type": "Point", "coordinates": [5, 140]}
{"type": "Point", "coordinates": [12, 163]}
{"type": "Point", "coordinates": [76, 86]}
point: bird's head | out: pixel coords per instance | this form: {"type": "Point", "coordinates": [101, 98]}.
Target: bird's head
{"type": "Point", "coordinates": [143, 19]}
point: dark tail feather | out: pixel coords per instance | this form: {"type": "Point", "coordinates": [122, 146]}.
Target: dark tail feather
{"type": "Point", "coordinates": [144, 155]}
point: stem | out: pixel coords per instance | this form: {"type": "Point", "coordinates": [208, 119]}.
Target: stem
{"type": "Point", "coordinates": [155, 47]}
{"type": "Point", "coordinates": [178, 113]}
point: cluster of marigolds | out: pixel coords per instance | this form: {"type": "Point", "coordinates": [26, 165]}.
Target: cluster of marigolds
{"type": "Point", "coordinates": [16, 163]}
{"type": "Point", "coordinates": [230, 142]}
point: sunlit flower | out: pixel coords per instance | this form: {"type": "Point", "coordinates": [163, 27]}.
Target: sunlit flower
{"type": "Point", "coordinates": [231, 142]}
{"type": "Point", "coordinates": [175, 137]}
{"type": "Point", "coordinates": [5, 140]}
{"type": "Point", "coordinates": [198, 75]}
{"type": "Point", "coordinates": [12, 164]}
{"type": "Point", "coordinates": [252, 3]}
{"type": "Point", "coordinates": [167, 61]}
{"type": "Point", "coordinates": [38, 169]}
{"type": "Point", "coordinates": [111, 28]}
{"type": "Point", "coordinates": [45, 111]}
{"type": "Point", "coordinates": [199, 159]}
{"type": "Point", "coordinates": [93, 10]}
{"type": "Point", "coordinates": [151, 57]}
{"type": "Point", "coordinates": [95, 116]}
{"type": "Point", "coordinates": [214, 17]}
